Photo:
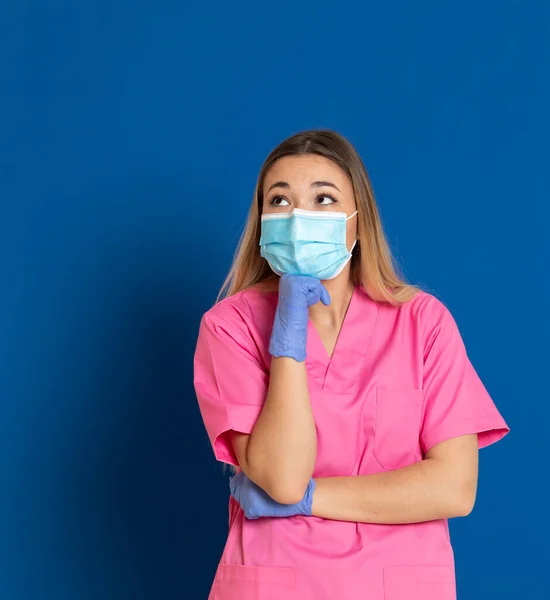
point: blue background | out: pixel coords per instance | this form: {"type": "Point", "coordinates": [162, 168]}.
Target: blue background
{"type": "Point", "coordinates": [131, 134]}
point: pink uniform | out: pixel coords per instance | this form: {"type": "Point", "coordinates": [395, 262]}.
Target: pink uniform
{"type": "Point", "coordinates": [399, 382]}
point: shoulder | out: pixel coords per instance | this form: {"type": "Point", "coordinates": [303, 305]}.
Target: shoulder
{"type": "Point", "coordinates": [240, 323]}
{"type": "Point", "coordinates": [433, 322]}
{"type": "Point", "coordinates": [427, 311]}
{"type": "Point", "coordinates": [249, 310]}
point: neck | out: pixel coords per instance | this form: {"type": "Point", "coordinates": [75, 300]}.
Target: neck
{"type": "Point", "coordinates": [340, 290]}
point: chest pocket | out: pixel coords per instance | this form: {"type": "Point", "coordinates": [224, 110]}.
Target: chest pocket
{"type": "Point", "coordinates": [397, 426]}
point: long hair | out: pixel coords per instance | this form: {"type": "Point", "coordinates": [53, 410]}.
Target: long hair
{"type": "Point", "coordinates": [372, 265]}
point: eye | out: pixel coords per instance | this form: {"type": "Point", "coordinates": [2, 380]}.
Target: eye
{"type": "Point", "coordinates": [325, 199]}
{"type": "Point", "coordinates": [278, 201]}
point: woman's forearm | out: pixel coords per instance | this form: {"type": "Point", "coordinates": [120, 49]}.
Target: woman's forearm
{"type": "Point", "coordinates": [423, 491]}
{"type": "Point", "coordinates": [282, 448]}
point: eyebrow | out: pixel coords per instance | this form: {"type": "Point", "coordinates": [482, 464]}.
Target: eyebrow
{"type": "Point", "coordinates": [324, 184]}
{"type": "Point", "coordinates": [281, 184]}
{"type": "Point", "coordinates": [284, 184]}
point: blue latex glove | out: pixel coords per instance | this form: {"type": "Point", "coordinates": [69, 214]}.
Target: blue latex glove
{"type": "Point", "coordinates": [256, 503]}
{"type": "Point", "coordinates": [296, 294]}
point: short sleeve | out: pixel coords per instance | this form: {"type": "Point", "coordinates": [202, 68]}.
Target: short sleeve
{"type": "Point", "coordinates": [230, 383]}
{"type": "Point", "coordinates": [455, 400]}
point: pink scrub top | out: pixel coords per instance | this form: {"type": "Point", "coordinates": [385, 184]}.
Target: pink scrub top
{"type": "Point", "coordinates": [399, 382]}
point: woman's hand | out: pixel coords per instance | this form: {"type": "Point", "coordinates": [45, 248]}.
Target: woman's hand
{"type": "Point", "coordinates": [296, 294]}
{"type": "Point", "coordinates": [256, 503]}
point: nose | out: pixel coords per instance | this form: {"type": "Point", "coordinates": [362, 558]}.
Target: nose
{"type": "Point", "coordinates": [302, 203]}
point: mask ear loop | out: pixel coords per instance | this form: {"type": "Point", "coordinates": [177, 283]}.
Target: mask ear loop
{"type": "Point", "coordinates": [355, 242]}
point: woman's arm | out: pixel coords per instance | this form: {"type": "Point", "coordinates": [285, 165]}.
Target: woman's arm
{"type": "Point", "coordinates": [443, 485]}
{"type": "Point", "coordinates": [279, 454]}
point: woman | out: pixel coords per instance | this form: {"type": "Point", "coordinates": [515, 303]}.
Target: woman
{"type": "Point", "coordinates": [344, 397]}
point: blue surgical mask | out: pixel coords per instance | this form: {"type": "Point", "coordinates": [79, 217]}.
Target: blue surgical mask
{"type": "Point", "coordinates": [306, 242]}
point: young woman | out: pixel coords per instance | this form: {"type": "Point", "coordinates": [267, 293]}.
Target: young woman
{"type": "Point", "coordinates": [344, 397]}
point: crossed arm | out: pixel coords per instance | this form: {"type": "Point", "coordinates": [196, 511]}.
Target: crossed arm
{"type": "Point", "coordinates": [279, 456]}
{"type": "Point", "coordinates": [443, 485]}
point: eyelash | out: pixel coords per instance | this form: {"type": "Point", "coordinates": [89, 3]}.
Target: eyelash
{"type": "Point", "coordinates": [334, 201]}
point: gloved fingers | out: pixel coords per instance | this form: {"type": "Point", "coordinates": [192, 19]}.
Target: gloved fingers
{"type": "Point", "coordinates": [307, 500]}
{"type": "Point", "coordinates": [251, 514]}
{"type": "Point", "coordinates": [325, 296]}
{"type": "Point", "coordinates": [311, 291]}
{"type": "Point", "coordinates": [316, 291]}
{"type": "Point", "coordinates": [232, 485]}
{"type": "Point", "coordinates": [235, 484]}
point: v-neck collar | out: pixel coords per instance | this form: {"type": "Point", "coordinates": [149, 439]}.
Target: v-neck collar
{"type": "Point", "coordinates": [341, 372]}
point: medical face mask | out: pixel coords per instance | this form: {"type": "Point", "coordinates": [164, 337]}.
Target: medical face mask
{"type": "Point", "coordinates": [305, 242]}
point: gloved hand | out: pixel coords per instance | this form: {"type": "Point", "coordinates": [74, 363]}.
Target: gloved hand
{"type": "Point", "coordinates": [256, 503]}
{"type": "Point", "coordinates": [296, 294]}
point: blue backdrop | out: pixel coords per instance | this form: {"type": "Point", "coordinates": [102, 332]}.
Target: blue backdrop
{"type": "Point", "coordinates": [131, 134]}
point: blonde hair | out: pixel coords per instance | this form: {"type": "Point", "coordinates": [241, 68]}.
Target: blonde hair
{"type": "Point", "coordinates": [372, 265]}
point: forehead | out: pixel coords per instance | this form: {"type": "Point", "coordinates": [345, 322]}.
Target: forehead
{"type": "Point", "coordinates": [303, 169]}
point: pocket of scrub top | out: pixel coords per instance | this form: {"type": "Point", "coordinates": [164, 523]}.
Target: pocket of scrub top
{"type": "Point", "coordinates": [424, 582]}
{"type": "Point", "coordinates": [236, 582]}
{"type": "Point", "coordinates": [397, 426]}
